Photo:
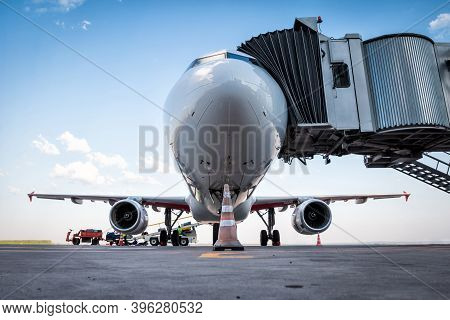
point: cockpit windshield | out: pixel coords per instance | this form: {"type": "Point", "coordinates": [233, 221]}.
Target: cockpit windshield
{"type": "Point", "coordinates": [203, 60]}
{"type": "Point", "coordinates": [220, 56]}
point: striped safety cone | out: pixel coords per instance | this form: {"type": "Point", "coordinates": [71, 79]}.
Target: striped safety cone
{"type": "Point", "coordinates": [319, 243]}
{"type": "Point", "coordinates": [227, 238]}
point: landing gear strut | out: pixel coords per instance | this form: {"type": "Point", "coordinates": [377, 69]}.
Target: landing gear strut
{"type": "Point", "coordinates": [168, 220]}
{"type": "Point", "coordinates": [270, 234]}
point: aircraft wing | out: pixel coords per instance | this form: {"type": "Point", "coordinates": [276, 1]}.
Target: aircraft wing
{"type": "Point", "coordinates": [262, 203]}
{"type": "Point", "coordinates": [156, 202]}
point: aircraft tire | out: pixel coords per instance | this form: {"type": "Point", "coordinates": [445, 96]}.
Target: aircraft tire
{"type": "Point", "coordinates": [174, 238]}
{"type": "Point", "coordinates": [163, 238]}
{"type": "Point", "coordinates": [276, 238]}
{"type": "Point", "coordinates": [263, 238]}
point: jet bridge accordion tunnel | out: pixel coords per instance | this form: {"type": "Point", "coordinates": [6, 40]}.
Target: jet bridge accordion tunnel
{"type": "Point", "coordinates": [386, 98]}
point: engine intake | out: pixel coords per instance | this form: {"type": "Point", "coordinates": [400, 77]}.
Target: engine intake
{"type": "Point", "coordinates": [311, 217]}
{"type": "Point", "coordinates": [129, 217]}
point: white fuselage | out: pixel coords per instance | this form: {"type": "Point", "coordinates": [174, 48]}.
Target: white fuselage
{"type": "Point", "coordinates": [227, 121]}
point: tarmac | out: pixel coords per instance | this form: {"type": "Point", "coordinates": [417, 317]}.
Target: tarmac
{"type": "Point", "coordinates": [286, 272]}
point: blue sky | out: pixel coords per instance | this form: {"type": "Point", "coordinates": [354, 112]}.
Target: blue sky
{"type": "Point", "coordinates": [67, 126]}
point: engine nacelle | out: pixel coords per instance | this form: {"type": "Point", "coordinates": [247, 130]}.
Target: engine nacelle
{"type": "Point", "coordinates": [311, 217]}
{"type": "Point", "coordinates": [128, 216]}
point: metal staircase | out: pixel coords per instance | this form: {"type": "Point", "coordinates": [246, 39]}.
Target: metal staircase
{"type": "Point", "coordinates": [431, 169]}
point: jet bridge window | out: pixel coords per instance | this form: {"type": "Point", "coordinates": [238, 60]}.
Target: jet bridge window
{"type": "Point", "coordinates": [341, 76]}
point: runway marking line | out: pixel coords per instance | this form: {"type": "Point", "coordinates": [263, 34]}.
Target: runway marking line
{"type": "Point", "coordinates": [224, 255]}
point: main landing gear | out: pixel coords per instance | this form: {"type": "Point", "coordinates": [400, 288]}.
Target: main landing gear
{"type": "Point", "coordinates": [164, 234]}
{"type": "Point", "coordinates": [269, 234]}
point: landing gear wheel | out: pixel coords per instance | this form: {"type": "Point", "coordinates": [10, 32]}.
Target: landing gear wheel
{"type": "Point", "coordinates": [154, 241]}
{"type": "Point", "coordinates": [174, 238]}
{"type": "Point", "coordinates": [163, 238]}
{"type": "Point", "coordinates": [263, 238]}
{"type": "Point", "coordinates": [215, 232]}
{"type": "Point", "coordinates": [76, 241]}
{"type": "Point", "coordinates": [184, 242]}
{"type": "Point", "coordinates": [276, 238]}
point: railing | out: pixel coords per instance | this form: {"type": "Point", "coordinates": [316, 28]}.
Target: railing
{"type": "Point", "coordinates": [432, 169]}
{"type": "Point", "coordinates": [441, 165]}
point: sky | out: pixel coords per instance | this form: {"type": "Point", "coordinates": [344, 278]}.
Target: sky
{"type": "Point", "coordinates": [79, 77]}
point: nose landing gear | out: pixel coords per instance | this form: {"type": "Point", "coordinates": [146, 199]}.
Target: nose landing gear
{"type": "Point", "coordinates": [269, 234]}
{"type": "Point", "coordinates": [215, 232]}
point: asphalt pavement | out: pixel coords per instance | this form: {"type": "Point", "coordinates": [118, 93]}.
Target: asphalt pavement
{"type": "Point", "coordinates": [286, 272]}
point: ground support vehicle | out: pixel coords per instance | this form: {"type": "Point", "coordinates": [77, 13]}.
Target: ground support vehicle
{"type": "Point", "coordinates": [91, 236]}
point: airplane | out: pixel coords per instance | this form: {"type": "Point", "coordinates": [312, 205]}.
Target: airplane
{"type": "Point", "coordinates": [227, 120]}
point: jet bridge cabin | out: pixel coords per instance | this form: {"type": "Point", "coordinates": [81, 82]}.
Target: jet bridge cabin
{"type": "Point", "coordinates": [387, 98]}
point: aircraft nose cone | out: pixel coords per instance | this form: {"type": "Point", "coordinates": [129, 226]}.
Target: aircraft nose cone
{"type": "Point", "coordinates": [231, 104]}
{"type": "Point", "coordinates": [229, 112]}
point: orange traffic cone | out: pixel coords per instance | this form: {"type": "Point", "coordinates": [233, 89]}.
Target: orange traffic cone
{"type": "Point", "coordinates": [227, 238]}
{"type": "Point", "coordinates": [318, 240]}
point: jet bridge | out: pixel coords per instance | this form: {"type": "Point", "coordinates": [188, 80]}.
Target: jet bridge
{"type": "Point", "coordinates": [386, 98]}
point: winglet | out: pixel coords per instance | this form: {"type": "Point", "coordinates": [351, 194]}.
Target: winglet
{"type": "Point", "coordinates": [406, 195]}
{"type": "Point", "coordinates": [30, 195]}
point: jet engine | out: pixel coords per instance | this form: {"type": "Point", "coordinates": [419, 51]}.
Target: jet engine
{"type": "Point", "coordinates": [128, 216]}
{"type": "Point", "coordinates": [311, 217]}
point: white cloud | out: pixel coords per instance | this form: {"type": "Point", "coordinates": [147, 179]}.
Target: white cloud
{"type": "Point", "coordinates": [103, 160]}
{"type": "Point", "coordinates": [13, 189]}
{"type": "Point", "coordinates": [68, 5]}
{"type": "Point", "coordinates": [131, 177]}
{"type": "Point", "coordinates": [2, 174]}
{"type": "Point", "coordinates": [44, 146]}
{"type": "Point", "coordinates": [56, 5]}
{"type": "Point", "coordinates": [73, 143]}
{"type": "Point", "coordinates": [88, 170]}
{"type": "Point", "coordinates": [441, 22]}
{"type": "Point", "coordinates": [85, 172]}
{"type": "Point", "coordinates": [85, 24]}
{"type": "Point", "coordinates": [60, 24]}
